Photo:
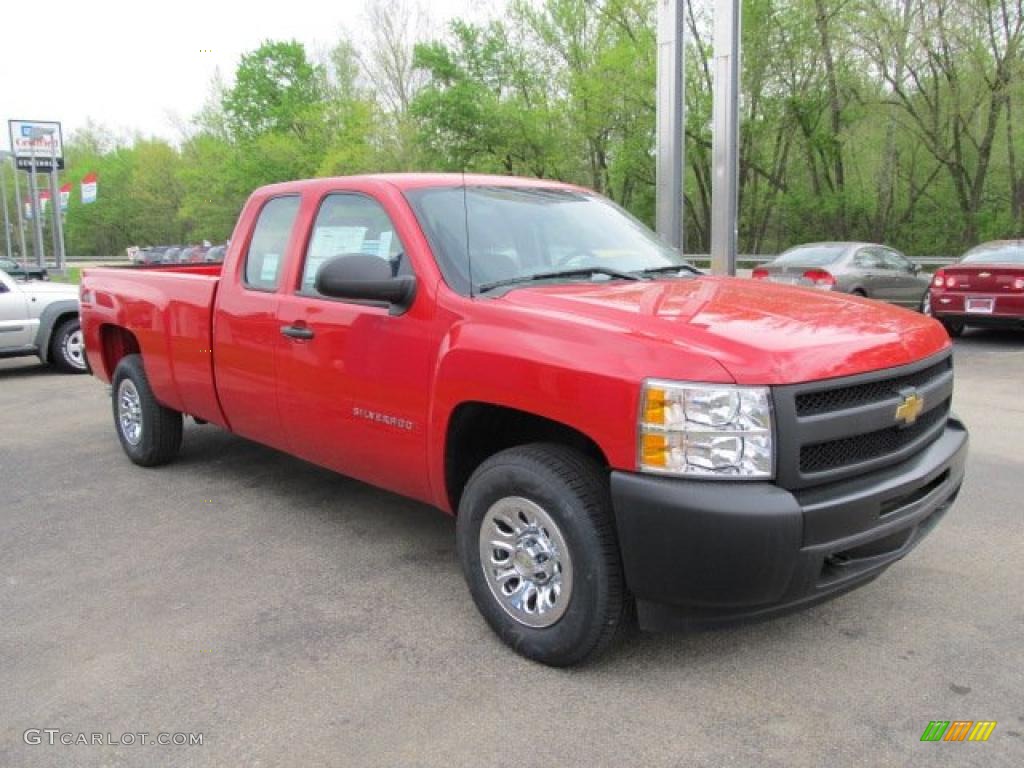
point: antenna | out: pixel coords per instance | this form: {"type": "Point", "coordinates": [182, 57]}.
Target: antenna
{"type": "Point", "coordinates": [465, 210]}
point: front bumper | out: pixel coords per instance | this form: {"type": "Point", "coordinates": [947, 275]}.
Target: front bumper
{"type": "Point", "coordinates": [700, 553]}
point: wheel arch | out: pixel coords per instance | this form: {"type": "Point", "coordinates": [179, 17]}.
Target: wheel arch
{"type": "Point", "coordinates": [477, 430]}
{"type": "Point", "coordinates": [50, 319]}
{"type": "Point", "coordinates": [116, 342]}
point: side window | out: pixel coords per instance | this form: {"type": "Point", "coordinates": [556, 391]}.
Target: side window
{"type": "Point", "coordinates": [350, 223]}
{"type": "Point", "coordinates": [897, 262]}
{"type": "Point", "coordinates": [270, 242]}
{"type": "Point", "coordinates": [866, 258]}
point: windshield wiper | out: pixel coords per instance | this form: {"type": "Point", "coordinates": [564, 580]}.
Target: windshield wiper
{"type": "Point", "coordinates": [669, 269]}
{"type": "Point", "coordinates": [581, 272]}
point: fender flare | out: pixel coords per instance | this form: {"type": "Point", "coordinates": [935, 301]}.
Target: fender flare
{"type": "Point", "coordinates": [48, 321]}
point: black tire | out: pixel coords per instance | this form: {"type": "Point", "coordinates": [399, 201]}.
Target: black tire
{"type": "Point", "coordinates": [859, 292]}
{"type": "Point", "coordinates": [573, 491]}
{"type": "Point", "coordinates": [954, 328]}
{"type": "Point", "coordinates": [67, 351]}
{"type": "Point", "coordinates": [159, 439]}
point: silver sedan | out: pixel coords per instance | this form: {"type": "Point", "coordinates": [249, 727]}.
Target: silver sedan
{"type": "Point", "coordinates": [861, 269]}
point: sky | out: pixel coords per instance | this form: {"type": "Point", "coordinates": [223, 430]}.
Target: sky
{"type": "Point", "coordinates": [132, 68]}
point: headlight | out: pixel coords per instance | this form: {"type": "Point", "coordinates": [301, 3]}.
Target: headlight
{"type": "Point", "coordinates": [709, 430]}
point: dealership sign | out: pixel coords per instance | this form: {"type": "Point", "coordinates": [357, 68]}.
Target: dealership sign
{"type": "Point", "coordinates": [43, 147]}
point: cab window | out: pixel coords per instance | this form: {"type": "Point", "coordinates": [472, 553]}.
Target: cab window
{"type": "Point", "coordinates": [269, 243]}
{"type": "Point", "coordinates": [349, 223]}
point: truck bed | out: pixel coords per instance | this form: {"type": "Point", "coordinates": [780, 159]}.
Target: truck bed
{"type": "Point", "coordinates": [168, 312]}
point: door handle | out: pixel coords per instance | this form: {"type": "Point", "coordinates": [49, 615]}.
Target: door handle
{"type": "Point", "coordinates": [297, 331]}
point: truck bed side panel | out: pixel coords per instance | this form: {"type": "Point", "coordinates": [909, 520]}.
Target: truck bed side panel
{"type": "Point", "coordinates": [170, 315]}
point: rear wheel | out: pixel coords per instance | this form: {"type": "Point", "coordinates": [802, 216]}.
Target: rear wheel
{"type": "Point", "coordinates": [149, 433]}
{"type": "Point", "coordinates": [67, 347]}
{"type": "Point", "coordinates": [926, 304]}
{"type": "Point", "coordinates": [537, 544]}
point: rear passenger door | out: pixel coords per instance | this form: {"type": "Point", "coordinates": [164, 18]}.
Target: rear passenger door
{"type": "Point", "coordinates": [868, 265]}
{"type": "Point", "coordinates": [353, 379]}
{"type": "Point", "coordinates": [904, 285]}
{"type": "Point", "coordinates": [245, 330]}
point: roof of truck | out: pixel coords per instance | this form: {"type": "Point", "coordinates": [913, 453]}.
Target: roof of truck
{"type": "Point", "coordinates": [406, 181]}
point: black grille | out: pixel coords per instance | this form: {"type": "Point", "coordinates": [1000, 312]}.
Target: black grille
{"type": "Point", "coordinates": [811, 403]}
{"type": "Point", "coordinates": [853, 450]}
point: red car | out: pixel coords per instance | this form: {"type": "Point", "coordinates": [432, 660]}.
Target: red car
{"type": "Point", "coordinates": [610, 426]}
{"type": "Point", "coordinates": [985, 289]}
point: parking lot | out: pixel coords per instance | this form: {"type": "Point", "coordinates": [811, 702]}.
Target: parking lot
{"type": "Point", "coordinates": [295, 617]}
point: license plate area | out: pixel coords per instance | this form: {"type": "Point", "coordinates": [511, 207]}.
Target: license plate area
{"type": "Point", "coordinates": [980, 306]}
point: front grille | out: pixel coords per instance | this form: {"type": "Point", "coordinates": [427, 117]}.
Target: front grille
{"type": "Point", "coordinates": [811, 403]}
{"type": "Point", "coordinates": [821, 457]}
{"type": "Point", "coordinates": [832, 430]}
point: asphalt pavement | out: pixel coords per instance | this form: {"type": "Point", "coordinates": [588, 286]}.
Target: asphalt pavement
{"type": "Point", "coordinates": [295, 618]}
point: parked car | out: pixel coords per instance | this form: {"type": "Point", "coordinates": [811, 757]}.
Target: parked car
{"type": "Point", "coordinates": [41, 319]}
{"type": "Point", "coordinates": [170, 256]}
{"type": "Point", "coordinates": [25, 271]}
{"type": "Point", "coordinates": [150, 254]}
{"type": "Point", "coordinates": [985, 288]}
{"type": "Point", "coordinates": [608, 425]}
{"type": "Point", "coordinates": [196, 255]}
{"type": "Point", "coordinates": [216, 253]}
{"type": "Point", "coordinates": [860, 269]}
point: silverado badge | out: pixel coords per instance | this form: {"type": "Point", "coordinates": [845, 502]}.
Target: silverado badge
{"type": "Point", "coordinates": [910, 408]}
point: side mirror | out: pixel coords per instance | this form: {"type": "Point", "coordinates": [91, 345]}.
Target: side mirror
{"type": "Point", "coordinates": [915, 267]}
{"type": "Point", "coordinates": [359, 277]}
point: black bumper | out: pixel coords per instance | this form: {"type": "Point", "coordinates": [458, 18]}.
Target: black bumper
{"type": "Point", "coordinates": [700, 553]}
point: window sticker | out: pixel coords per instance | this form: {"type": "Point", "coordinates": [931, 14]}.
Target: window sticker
{"type": "Point", "coordinates": [384, 244]}
{"type": "Point", "coordinates": [336, 241]}
{"type": "Point", "coordinates": [268, 270]}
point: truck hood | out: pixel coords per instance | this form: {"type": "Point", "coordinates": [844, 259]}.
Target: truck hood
{"type": "Point", "coordinates": [761, 333]}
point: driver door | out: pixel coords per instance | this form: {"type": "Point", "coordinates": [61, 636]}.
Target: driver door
{"type": "Point", "coordinates": [353, 379]}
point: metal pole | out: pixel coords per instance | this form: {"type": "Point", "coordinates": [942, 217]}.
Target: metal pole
{"type": "Point", "coordinates": [21, 213]}
{"type": "Point", "coordinates": [724, 146]}
{"type": "Point", "coordinates": [36, 219]}
{"type": "Point", "coordinates": [7, 215]}
{"type": "Point", "coordinates": [671, 113]}
{"type": "Point", "coordinates": [58, 226]}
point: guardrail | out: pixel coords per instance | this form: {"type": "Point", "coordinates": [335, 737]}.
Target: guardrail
{"type": "Point", "coordinates": [753, 260]}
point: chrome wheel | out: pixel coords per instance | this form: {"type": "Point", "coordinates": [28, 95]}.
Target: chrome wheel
{"type": "Point", "coordinates": [526, 562]}
{"type": "Point", "coordinates": [129, 412]}
{"type": "Point", "coordinates": [74, 349]}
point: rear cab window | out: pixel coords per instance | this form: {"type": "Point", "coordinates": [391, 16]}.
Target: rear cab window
{"type": "Point", "coordinates": [269, 244]}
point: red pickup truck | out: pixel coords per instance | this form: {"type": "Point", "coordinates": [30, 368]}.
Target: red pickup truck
{"type": "Point", "coordinates": [615, 431]}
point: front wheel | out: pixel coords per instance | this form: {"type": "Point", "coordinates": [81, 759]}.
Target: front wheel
{"type": "Point", "coordinates": [537, 545]}
{"type": "Point", "coordinates": [67, 348]}
{"type": "Point", "coordinates": [149, 433]}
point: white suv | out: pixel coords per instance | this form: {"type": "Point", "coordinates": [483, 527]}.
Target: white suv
{"type": "Point", "coordinates": [41, 318]}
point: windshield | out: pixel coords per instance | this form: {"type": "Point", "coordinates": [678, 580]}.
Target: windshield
{"type": "Point", "coordinates": [518, 232]}
{"type": "Point", "coordinates": [812, 255]}
{"type": "Point", "coordinates": [995, 253]}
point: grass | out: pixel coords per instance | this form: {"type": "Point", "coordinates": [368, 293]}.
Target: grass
{"type": "Point", "coordinates": [73, 276]}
